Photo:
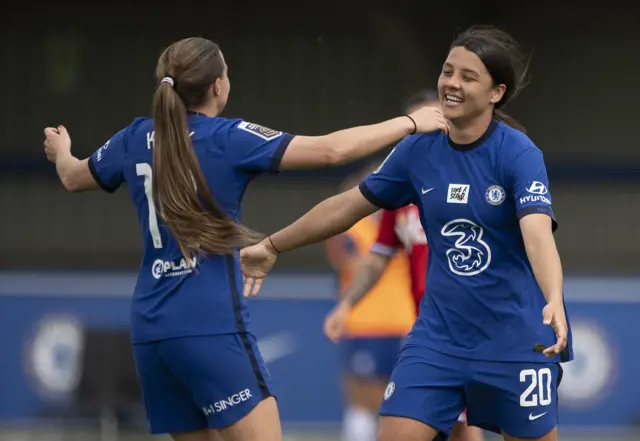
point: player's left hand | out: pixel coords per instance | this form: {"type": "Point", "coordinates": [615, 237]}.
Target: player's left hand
{"type": "Point", "coordinates": [257, 261]}
{"type": "Point", "coordinates": [334, 323]}
{"type": "Point", "coordinates": [553, 315]}
{"type": "Point", "coordinates": [56, 141]}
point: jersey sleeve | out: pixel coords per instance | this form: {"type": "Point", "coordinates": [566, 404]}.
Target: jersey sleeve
{"type": "Point", "coordinates": [257, 149]}
{"type": "Point", "coordinates": [389, 187]}
{"type": "Point", "coordinates": [387, 242]}
{"type": "Point", "coordinates": [530, 185]}
{"type": "Point", "coordinates": [105, 164]}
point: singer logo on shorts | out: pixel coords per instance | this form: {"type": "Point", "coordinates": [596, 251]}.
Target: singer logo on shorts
{"type": "Point", "coordinates": [175, 268]}
{"type": "Point", "coordinates": [536, 191]}
{"type": "Point", "coordinates": [222, 405]}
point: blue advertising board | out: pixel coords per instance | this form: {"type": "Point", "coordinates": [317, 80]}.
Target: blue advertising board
{"type": "Point", "coordinates": [43, 317]}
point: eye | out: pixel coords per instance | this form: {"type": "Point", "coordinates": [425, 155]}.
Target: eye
{"type": "Point", "coordinates": [447, 73]}
{"type": "Point", "coordinates": [468, 78]}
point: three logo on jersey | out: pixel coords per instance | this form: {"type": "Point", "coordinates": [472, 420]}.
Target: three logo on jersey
{"type": "Point", "coordinates": [471, 255]}
{"type": "Point", "coordinates": [174, 268]}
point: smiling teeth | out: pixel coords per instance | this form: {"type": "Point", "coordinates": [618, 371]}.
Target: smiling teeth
{"type": "Point", "coordinates": [454, 98]}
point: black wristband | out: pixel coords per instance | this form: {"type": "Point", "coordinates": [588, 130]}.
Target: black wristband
{"type": "Point", "coordinates": [273, 246]}
{"type": "Point", "coordinates": [415, 126]}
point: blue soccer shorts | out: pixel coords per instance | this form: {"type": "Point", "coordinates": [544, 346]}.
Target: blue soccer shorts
{"type": "Point", "coordinates": [193, 383]}
{"type": "Point", "coordinates": [519, 398]}
{"type": "Point", "coordinates": [370, 357]}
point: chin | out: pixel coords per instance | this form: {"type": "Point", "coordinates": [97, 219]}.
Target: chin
{"type": "Point", "coordinates": [452, 114]}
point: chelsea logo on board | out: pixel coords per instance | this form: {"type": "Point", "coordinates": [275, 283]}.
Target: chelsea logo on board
{"type": "Point", "coordinates": [495, 195]}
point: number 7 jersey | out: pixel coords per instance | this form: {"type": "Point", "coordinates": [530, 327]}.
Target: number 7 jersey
{"type": "Point", "coordinates": [174, 297]}
{"type": "Point", "coordinates": [481, 299]}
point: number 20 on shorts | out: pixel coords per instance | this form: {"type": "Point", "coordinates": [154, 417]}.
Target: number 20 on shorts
{"type": "Point", "coordinates": [538, 393]}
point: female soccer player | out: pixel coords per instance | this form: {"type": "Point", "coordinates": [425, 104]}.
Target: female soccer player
{"type": "Point", "coordinates": [494, 278]}
{"type": "Point", "coordinates": [187, 170]}
{"type": "Point", "coordinates": [399, 228]}
{"type": "Point", "coordinates": [375, 328]}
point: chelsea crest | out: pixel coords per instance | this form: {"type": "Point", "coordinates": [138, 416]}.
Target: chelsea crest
{"type": "Point", "coordinates": [495, 195]}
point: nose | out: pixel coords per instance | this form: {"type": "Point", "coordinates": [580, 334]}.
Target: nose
{"type": "Point", "coordinates": [452, 82]}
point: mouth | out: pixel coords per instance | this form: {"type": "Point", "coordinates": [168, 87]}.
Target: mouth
{"type": "Point", "coordinates": [451, 100]}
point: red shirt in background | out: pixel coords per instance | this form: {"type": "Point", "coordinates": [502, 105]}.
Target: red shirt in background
{"type": "Point", "coordinates": [402, 228]}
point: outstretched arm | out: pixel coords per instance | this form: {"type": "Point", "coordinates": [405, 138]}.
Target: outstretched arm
{"type": "Point", "coordinates": [330, 217]}
{"type": "Point", "coordinates": [388, 187]}
{"type": "Point", "coordinates": [347, 145]}
{"type": "Point", "coordinates": [343, 146]}
{"type": "Point", "coordinates": [103, 169]}
{"type": "Point", "coordinates": [74, 173]}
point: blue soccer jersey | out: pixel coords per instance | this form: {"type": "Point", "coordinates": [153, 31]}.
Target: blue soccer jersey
{"type": "Point", "coordinates": [481, 300]}
{"type": "Point", "coordinates": [174, 297]}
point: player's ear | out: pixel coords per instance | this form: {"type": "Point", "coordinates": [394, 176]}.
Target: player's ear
{"type": "Point", "coordinates": [217, 87]}
{"type": "Point", "coordinates": [497, 93]}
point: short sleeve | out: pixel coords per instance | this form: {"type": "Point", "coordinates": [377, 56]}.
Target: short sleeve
{"type": "Point", "coordinates": [387, 242]}
{"type": "Point", "coordinates": [390, 187]}
{"type": "Point", "coordinates": [257, 149]}
{"type": "Point", "coordinates": [530, 185]}
{"type": "Point", "coordinates": [105, 163]}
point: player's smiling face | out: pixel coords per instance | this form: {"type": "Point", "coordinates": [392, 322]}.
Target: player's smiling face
{"type": "Point", "coordinates": [465, 86]}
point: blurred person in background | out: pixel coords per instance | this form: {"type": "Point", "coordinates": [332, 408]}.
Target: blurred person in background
{"type": "Point", "coordinates": [492, 330]}
{"type": "Point", "coordinates": [372, 277]}
{"type": "Point", "coordinates": [375, 328]}
{"type": "Point", "coordinates": [187, 169]}
{"type": "Point", "coordinates": [425, 97]}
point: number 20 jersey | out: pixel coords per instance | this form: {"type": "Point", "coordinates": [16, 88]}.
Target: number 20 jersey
{"type": "Point", "coordinates": [174, 297]}
{"type": "Point", "coordinates": [481, 298]}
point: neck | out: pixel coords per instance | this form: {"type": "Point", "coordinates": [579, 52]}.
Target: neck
{"type": "Point", "coordinates": [466, 132]}
{"type": "Point", "coordinates": [212, 110]}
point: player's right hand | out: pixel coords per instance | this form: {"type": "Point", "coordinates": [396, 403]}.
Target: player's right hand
{"type": "Point", "coordinates": [335, 321]}
{"type": "Point", "coordinates": [256, 261]}
{"type": "Point", "coordinates": [56, 142]}
{"type": "Point", "coordinates": [430, 119]}
{"type": "Point", "coordinates": [554, 316]}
